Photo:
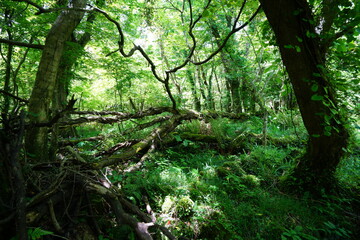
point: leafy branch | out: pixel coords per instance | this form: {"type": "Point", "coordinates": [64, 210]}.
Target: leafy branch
{"type": "Point", "coordinates": [164, 80]}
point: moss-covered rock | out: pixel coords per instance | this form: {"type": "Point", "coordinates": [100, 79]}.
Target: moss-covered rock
{"type": "Point", "coordinates": [184, 206]}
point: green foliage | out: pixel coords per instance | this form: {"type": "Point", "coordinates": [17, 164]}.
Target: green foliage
{"type": "Point", "coordinates": [37, 233]}
{"type": "Point", "coordinates": [296, 234]}
{"type": "Point", "coordinates": [348, 171]}
{"type": "Point", "coordinates": [195, 191]}
{"type": "Point", "coordinates": [209, 196]}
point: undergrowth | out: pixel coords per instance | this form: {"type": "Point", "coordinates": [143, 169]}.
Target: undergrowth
{"type": "Point", "coordinates": [199, 193]}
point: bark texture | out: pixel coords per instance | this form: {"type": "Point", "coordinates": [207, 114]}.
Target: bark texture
{"type": "Point", "coordinates": [42, 94]}
{"type": "Point", "coordinates": [300, 48]}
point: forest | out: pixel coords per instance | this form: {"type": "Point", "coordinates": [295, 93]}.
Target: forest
{"type": "Point", "coordinates": [179, 119]}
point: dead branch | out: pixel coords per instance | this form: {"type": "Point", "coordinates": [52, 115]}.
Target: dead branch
{"type": "Point", "coordinates": [135, 210]}
{"type": "Point", "coordinates": [117, 116]}
{"type": "Point", "coordinates": [53, 216]}
{"type": "Point", "coordinates": [147, 125]}
{"type": "Point", "coordinates": [157, 135]}
{"type": "Point", "coordinates": [117, 147]}
{"type": "Point", "coordinates": [75, 154]}
{"type": "Point", "coordinates": [140, 228]}
{"type": "Point", "coordinates": [47, 192]}
{"type": "Point", "coordinates": [22, 44]}
{"type": "Point", "coordinates": [15, 97]}
{"type": "Point", "coordinates": [71, 142]}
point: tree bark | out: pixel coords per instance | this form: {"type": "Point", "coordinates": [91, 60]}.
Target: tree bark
{"type": "Point", "coordinates": [42, 94]}
{"type": "Point", "coordinates": [300, 50]}
{"type": "Point", "coordinates": [197, 103]}
{"type": "Point", "coordinates": [231, 73]}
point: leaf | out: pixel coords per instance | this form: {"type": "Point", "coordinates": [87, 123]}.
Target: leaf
{"type": "Point", "coordinates": [316, 97]}
{"type": "Point", "coordinates": [328, 130]}
{"type": "Point", "coordinates": [327, 118]}
{"type": "Point", "coordinates": [298, 49]}
{"type": "Point", "coordinates": [177, 138]}
{"type": "Point", "coordinates": [206, 13]}
{"type": "Point", "coordinates": [288, 46]}
{"type": "Point", "coordinates": [37, 233]}
{"type": "Point", "coordinates": [314, 87]}
{"type": "Point", "coordinates": [334, 111]}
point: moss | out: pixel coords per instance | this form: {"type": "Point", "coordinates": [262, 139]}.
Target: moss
{"type": "Point", "coordinates": [184, 206]}
{"type": "Point", "coordinates": [250, 180]}
{"type": "Point", "coordinates": [230, 167]}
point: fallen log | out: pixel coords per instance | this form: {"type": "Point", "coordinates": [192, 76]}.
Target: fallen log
{"type": "Point", "coordinates": [153, 139]}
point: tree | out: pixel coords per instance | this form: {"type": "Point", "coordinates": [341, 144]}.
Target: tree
{"type": "Point", "coordinates": [304, 54]}
{"type": "Point", "coordinates": [45, 83]}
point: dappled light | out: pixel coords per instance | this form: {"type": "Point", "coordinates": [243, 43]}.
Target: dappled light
{"type": "Point", "coordinates": [179, 119]}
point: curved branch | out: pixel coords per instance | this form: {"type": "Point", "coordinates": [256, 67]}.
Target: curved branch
{"type": "Point", "coordinates": [233, 31]}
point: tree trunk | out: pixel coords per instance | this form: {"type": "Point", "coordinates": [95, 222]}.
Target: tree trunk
{"type": "Point", "coordinates": [197, 103]}
{"type": "Point", "coordinates": [301, 53]}
{"type": "Point", "coordinates": [8, 61]}
{"type": "Point", "coordinates": [42, 94]}
{"type": "Point", "coordinates": [232, 80]}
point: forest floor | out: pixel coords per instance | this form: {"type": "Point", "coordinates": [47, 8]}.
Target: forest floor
{"type": "Point", "coordinates": [231, 188]}
{"type": "Point", "coordinates": [216, 178]}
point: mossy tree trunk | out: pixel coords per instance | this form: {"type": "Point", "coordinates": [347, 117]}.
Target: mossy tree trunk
{"type": "Point", "coordinates": [231, 74]}
{"type": "Point", "coordinates": [301, 52]}
{"type": "Point", "coordinates": [45, 82]}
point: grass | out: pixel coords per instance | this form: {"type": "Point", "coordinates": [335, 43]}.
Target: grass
{"type": "Point", "coordinates": [199, 193]}
{"type": "Point", "coordinates": [196, 199]}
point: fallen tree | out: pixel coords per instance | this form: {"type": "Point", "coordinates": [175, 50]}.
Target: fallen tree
{"type": "Point", "coordinates": [73, 180]}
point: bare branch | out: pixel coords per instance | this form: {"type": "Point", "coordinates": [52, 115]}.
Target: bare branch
{"type": "Point", "coordinates": [22, 44]}
{"type": "Point", "coordinates": [141, 228]}
{"type": "Point", "coordinates": [40, 8]}
{"type": "Point", "coordinates": [228, 37]}
{"type": "Point", "coordinates": [239, 14]}
{"type": "Point", "coordinates": [15, 97]}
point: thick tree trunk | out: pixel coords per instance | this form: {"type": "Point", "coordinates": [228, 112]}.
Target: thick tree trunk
{"type": "Point", "coordinates": [300, 50]}
{"type": "Point", "coordinates": [42, 94]}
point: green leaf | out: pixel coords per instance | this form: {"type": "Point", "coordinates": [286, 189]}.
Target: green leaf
{"type": "Point", "coordinates": [327, 118]}
{"type": "Point", "coordinates": [317, 97]}
{"type": "Point", "coordinates": [178, 138]}
{"type": "Point", "coordinates": [206, 13]}
{"type": "Point", "coordinates": [298, 49]}
{"type": "Point", "coordinates": [37, 233]}
{"type": "Point", "coordinates": [316, 135]}
{"type": "Point", "coordinates": [314, 87]}
{"type": "Point", "coordinates": [327, 131]}
{"type": "Point", "coordinates": [334, 111]}
{"type": "Point", "coordinates": [288, 46]}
